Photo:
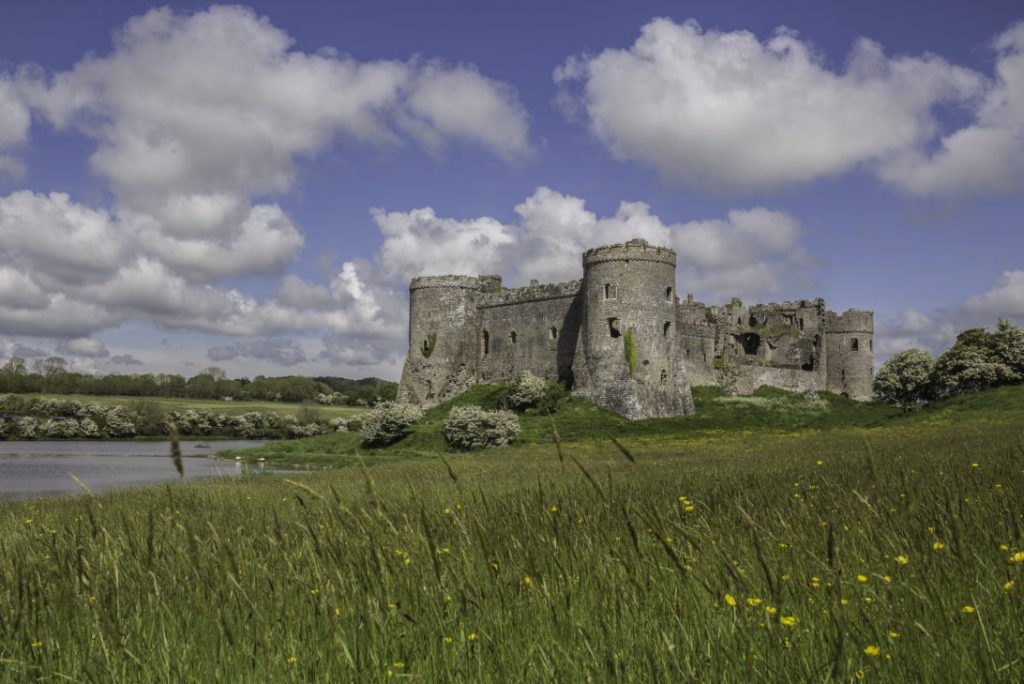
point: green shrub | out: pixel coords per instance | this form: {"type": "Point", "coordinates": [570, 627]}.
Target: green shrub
{"type": "Point", "coordinates": [389, 422]}
{"type": "Point", "coordinates": [471, 427]}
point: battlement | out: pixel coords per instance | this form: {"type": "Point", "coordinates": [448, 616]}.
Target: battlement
{"type": "Point", "coordinates": [634, 250]}
{"type": "Point", "coordinates": [459, 281]}
{"type": "Point", "coordinates": [851, 321]}
{"type": "Point", "coordinates": [535, 292]}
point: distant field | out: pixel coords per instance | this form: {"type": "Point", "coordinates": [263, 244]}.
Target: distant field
{"type": "Point", "coordinates": [227, 407]}
{"type": "Point", "coordinates": [767, 539]}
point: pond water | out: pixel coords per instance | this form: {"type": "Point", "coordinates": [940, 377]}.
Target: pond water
{"type": "Point", "coordinates": [30, 469]}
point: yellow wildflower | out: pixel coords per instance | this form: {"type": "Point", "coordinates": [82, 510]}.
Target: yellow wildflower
{"type": "Point", "coordinates": [755, 602]}
{"type": "Point", "coordinates": [554, 509]}
{"type": "Point", "coordinates": [938, 546]}
{"type": "Point", "coordinates": [872, 651]}
{"type": "Point", "coordinates": [902, 560]}
{"type": "Point", "coordinates": [859, 674]}
{"type": "Point", "coordinates": [887, 579]}
{"type": "Point", "coordinates": [968, 609]}
{"type": "Point", "coordinates": [843, 602]}
{"type": "Point", "coordinates": [1017, 557]}
{"type": "Point", "coordinates": [730, 599]}
{"type": "Point", "coordinates": [771, 610]}
{"type": "Point", "coordinates": [399, 664]}
{"type": "Point", "coordinates": [292, 660]}
{"type": "Point", "coordinates": [894, 635]}
{"type": "Point", "coordinates": [471, 636]}
{"type": "Point", "coordinates": [337, 612]}
{"type": "Point", "coordinates": [447, 640]}
{"type": "Point", "coordinates": [1008, 586]}
{"type": "Point", "coordinates": [37, 644]}
{"type": "Point", "coordinates": [788, 620]}
{"type": "Point", "coordinates": [862, 579]}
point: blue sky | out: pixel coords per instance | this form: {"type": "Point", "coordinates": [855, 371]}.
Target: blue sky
{"type": "Point", "coordinates": [252, 186]}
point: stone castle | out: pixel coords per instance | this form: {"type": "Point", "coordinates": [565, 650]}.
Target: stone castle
{"type": "Point", "coordinates": [622, 338]}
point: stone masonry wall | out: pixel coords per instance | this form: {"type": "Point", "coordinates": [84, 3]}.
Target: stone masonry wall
{"type": "Point", "coordinates": [464, 330]}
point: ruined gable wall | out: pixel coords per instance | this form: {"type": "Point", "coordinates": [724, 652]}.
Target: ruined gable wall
{"type": "Point", "coordinates": [545, 320]}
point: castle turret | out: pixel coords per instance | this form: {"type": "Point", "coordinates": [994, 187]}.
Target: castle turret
{"type": "Point", "coordinates": [443, 323]}
{"type": "Point", "coordinates": [627, 358]}
{"type": "Point", "coordinates": [849, 350]}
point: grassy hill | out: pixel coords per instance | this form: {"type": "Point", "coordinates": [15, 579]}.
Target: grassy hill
{"type": "Point", "coordinates": [769, 412]}
{"type": "Point", "coordinates": [762, 540]}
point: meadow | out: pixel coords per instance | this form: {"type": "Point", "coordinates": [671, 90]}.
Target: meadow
{"type": "Point", "coordinates": [769, 540]}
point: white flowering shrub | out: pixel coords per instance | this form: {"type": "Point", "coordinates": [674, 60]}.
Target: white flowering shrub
{"type": "Point", "coordinates": [389, 422]}
{"type": "Point", "coordinates": [119, 422]}
{"type": "Point", "coordinates": [471, 427]}
{"type": "Point", "coordinates": [527, 391]}
{"type": "Point", "coordinates": [59, 428]}
{"type": "Point", "coordinates": [88, 429]}
{"type": "Point", "coordinates": [338, 425]}
{"type": "Point", "coordinates": [304, 429]}
{"type": "Point", "coordinates": [27, 428]}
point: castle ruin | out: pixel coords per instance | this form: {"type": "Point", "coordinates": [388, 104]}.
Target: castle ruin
{"type": "Point", "coordinates": [622, 338]}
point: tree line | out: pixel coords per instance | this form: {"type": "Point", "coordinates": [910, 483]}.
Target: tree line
{"type": "Point", "coordinates": [978, 360]}
{"type": "Point", "coordinates": [51, 375]}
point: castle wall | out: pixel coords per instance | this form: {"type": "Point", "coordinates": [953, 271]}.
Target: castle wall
{"type": "Point", "coordinates": [629, 304]}
{"type": "Point", "coordinates": [545, 321]}
{"type": "Point", "coordinates": [443, 319]}
{"type": "Point", "coordinates": [748, 378]}
{"type": "Point", "coordinates": [464, 330]}
{"type": "Point", "coordinates": [850, 352]}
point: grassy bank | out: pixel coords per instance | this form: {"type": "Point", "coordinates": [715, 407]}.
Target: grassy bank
{"type": "Point", "coordinates": [828, 552]}
{"type": "Point", "coordinates": [231, 408]}
{"type": "Point", "coordinates": [769, 411]}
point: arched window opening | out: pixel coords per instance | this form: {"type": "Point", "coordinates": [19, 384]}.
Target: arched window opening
{"type": "Point", "coordinates": [553, 333]}
{"type": "Point", "coordinates": [753, 321]}
{"type": "Point", "coordinates": [664, 376]}
{"type": "Point", "coordinates": [487, 343]}
{"type": "Point", "coordinates": [513, 337]}
{"type": "Point", "coordinates": [614, 329]}
{"type": "Point", "coordinates": [665, 328]}
{"type": "Point", "coordinates": [801, 322]}
{"type": "Point", "coordinates": [426, 346]}
{"type": "Point", "coordinates": [668, 293]}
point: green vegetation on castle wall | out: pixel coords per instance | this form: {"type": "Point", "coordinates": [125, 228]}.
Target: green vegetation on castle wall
{"type": "Point", "coordinates": [428, 348]}
{"type": "Point", "coordinates": [629, 347]}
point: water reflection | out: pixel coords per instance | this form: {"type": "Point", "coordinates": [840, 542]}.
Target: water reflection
{"type": "Point", "coordinates": [30, 469]}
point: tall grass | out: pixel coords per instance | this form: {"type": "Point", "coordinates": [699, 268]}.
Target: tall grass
{"type": "Point", "coordinates": [885, 554]}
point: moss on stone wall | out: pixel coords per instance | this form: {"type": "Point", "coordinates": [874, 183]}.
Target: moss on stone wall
{"type": "Point", "coordinates": [428, 348]}
{"type": "Point", "coordinates": [629, 347]}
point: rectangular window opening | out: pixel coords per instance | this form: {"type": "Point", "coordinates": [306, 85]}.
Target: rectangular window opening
{"type": "Point", "coordinates": [614, 329]}
{"type": "Point", "coordinates": [855, 344]}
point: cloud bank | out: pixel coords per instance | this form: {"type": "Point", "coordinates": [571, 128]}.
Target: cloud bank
{"type": "Point", "coordinates": [729, 112]}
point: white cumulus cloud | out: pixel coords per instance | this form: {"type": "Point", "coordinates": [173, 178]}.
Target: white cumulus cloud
{"type": "Point", "coordinates": [728, 111]}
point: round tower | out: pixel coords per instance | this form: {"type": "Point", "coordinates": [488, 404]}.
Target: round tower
{"type": "Point", "coordinates": [630, 361]}
{"type": "Point", "coordinates": [850, 354]}
{"type": "Point", "coordinates": [443, 320]}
